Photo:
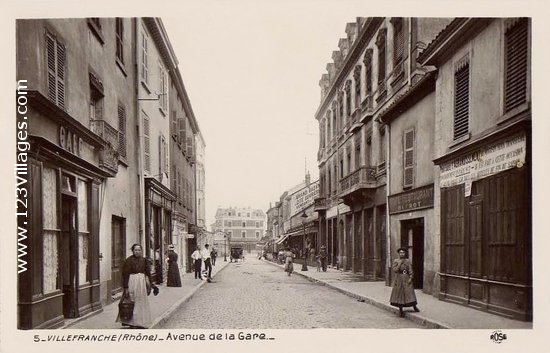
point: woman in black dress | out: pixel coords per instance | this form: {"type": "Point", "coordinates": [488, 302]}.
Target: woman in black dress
{"type": "Point", "coordinates": [174, 279]}
{"type": "Point", "coordinates": [402, 294]}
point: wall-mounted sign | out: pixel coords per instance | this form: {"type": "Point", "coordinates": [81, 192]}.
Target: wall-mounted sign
{"type": "Point", "coordinates": [69, 140]}
{"type": "Point", "coordinates": [411, 200]}
{"type": "Point", "coordinates": [303, 198]}
{"type": "Point", "coordinates": [492, 159]}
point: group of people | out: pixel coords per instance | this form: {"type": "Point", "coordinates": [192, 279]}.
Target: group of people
{"type": "Point", "coordinates": [206, 256]}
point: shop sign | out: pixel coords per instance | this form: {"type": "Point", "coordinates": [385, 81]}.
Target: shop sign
{"type": "Point", "coordinates": [304, 198]}
{"type": "Point", "coordinates": [69, 141]}
{"type": "Point", "coordinates": [492, 159]}
{"type": "Point", "coordinates": [412, 200]}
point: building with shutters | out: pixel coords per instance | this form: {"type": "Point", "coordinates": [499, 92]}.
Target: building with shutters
{"type": "Point", "coordinates": [82, 176]}
{"type": "Point", "coordinates": [483, 159]}
{"type": "Point", "coordinates": [374, 66]}
{"type": "Point", "coordinates": [244, 226]}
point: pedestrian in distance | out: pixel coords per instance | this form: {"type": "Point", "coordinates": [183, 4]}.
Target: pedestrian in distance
{"type": "Point", "coordinates": [289, 261]}
{"type": "Point", "coordinates": [197, 262]}
{"type": "Point", "coordinates": [322, 257]}
{"type": "Point", "coordinates": [214, 255]}
{"type": "Point", "coordinates": [402, 294]}
{"type": "Point", "coordinates": [206, 257]}
{"type": "Point", "coordinates": [158, 267]}
{"type": "Point", "coordinates": [137, 284]}
{"type": "Point", "coordinates": [174, 278]}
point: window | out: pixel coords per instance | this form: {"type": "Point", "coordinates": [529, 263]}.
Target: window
{"type": "Point", "coordinates": [120, 40]}
{"type": "Point", "coordinates": [334, 119]}
{"type": "Point", "coordinates": [182, 129]}
{"type": "Point", "coordinates": [229, 222]}
{"type": "Point", "coordinates": [257, 224]}
{"type": "Point", "coordinates": [329, 183]}
{"type": "Point", "coordinates": [144, 65]}
{"type": "Point", "coordinates": [96, 98]}
{"type": "Point", "coordinates": [328, 126]}
{"type": "Point", "coordinates": [357, 154]}
{"type": "Point", "coordinates": [244, 224]}
{"type": "Point", "coordinates": [516, 63]}
{"type": "Point", "coordinates": [94, 23]}
{"type": "Point", "coordinates": [357, 78]}
{"type": "Point", "coordinates": [248, 214]}
{"type": "Point", "coordinates": [341, 168]}
{"type": "Point", "coordinates": [162, 155]}
{"type": "Point", "coordinates": [382, 150]}
{"type": "Point", "coordinates": [83, 234]}
{"type": "Point", "coordinates": [381, 44]}
{"type": "Point", "coordinates": [398, 40]}
{"type": "Point", "coordinates": [238, 214]}
{"type": "Point", "coordinates": [341, 117]}
{"type": "Point", "coordinates": [121, 131]}
{"type": "Point", "coordinates": [51, 232]}
{"type": "Point", "coordinates": [462, 99]}
{"type": "Point", "coordinates": [243, 233]}
{"type": "Point", "coordinates": [146, 143]}
{"type": "Point", "coordinates": [348, 98]}
{"type": "Point", "coordinates": [348, 161]}
{"type": "Point", "coordinates": [408, 158]}
{"type": "Point", "coordinates": [368, 71]}
{"type": "Point", "coordinates": [163, 89]}
{"type": "Point", "coordinates": [56, 64]}
{"type": "Point", "coordinates": [257, 234]}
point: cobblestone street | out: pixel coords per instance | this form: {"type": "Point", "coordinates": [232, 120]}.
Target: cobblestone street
{"type": "Point", "coordinates": [256, 295]}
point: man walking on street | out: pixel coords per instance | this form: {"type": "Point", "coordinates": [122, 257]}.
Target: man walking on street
{"type": "Point", "coordinates": [206, 257]}
{"type": "Point", "coordinates": [197, 261]}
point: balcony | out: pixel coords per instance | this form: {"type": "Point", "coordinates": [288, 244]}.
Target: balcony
{"type": "Point", "coordinates": [367, 108]}
{"type": "Point", "coordinates": [363, 179]}
{"type": "Point", "coordinates": [108, 157]}
{"type": "Point", "coordinates": [397, 74]}
{"type": "Point", "coordinates": [320, 204]}
{"type": "Point", "coordinates": [355, 122]}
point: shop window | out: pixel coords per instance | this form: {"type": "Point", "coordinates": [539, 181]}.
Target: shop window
{"type": "Point", "coordinates": [462, 99]}
{"type": "Point", "coordinates": [51, 231]}
{"type": "Point", "coordinates": [83, 234]}
{"type": "Point", "coordinates": [516, 63]}
{"type": "Point", "coordinates": [56, 63]}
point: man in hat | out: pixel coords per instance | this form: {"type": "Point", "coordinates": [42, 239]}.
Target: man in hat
{"type": "Point", "coordinates": [323, 258]}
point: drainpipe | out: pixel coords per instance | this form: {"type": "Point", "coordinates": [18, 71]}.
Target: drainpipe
{"type": "Point", "coordinates": [141, 181]}
{"type": "Point", "coordinates": [388, 193]}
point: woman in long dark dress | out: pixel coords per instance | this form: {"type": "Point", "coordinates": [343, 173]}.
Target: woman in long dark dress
{"type": "Point", "coordinates": [402, 294]}
{"type": "Point", "coordinates": [135, 274]}
{"type": "Point", "coordinates": [174, 279]}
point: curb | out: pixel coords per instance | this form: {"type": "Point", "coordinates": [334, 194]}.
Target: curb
{"type": "Point", "coordinates": [164, 317]}
{"type": "Point", "coordinates": [416, 318]}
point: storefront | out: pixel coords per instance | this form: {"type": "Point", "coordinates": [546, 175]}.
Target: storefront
{"type": "Point", "coordinates": [486, 234]}
{"type": "Point", "coordinates": [67, 165]}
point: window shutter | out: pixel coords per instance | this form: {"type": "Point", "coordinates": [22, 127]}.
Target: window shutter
{"type": "Point", "coordinates": [144, 53]}
{"type": "Point", "coordinates": [190, 146]}
{"type": "Point", "coordinates": [182, 132]}
{"type": "Point", "coordinates": [56, 71]}
{"type": "Point", "coordinates": [408, 158]}
{"type": "Point", "coordinates": [398, 41]}
{"type": "Point", "coordinates": [516, 42]}
{"type": "Point", "coordinates": [121, 131]}
{"type": "Point", "coordinates": [61, 75]}
{"type": "Point", "coordinates": [146, 144]}
{"type": "Point", "coordinates": [462, 101]}
{"type": "Point", "coordinates": [174, 123]}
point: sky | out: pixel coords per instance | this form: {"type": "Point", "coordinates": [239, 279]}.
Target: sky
{"type": "Point", "coordinates": [252, 74]}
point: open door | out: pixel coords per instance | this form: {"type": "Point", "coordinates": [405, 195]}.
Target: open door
{"type": "Point", "coordinates": [412, 239]}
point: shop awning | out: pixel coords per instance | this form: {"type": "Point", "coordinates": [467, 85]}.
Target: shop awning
{"type": "Point", "coordinates": [285, 236]}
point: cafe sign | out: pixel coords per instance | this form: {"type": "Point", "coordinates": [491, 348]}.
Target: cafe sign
{"type": "Point", "coordinates": [412, 200]}
{"type": "Point", "coordinates": [304, 198]}
{"type": "Point", "coordinates": [489, 160]}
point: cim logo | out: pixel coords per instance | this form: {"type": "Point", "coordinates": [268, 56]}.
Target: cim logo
{"type": "Point", "coordinates": [498, 336]}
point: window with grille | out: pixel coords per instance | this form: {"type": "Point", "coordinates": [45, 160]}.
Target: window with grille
{"type": "Point", "coordinates": [516, 63]}
{"type": "Point", "coordinates": [56, 64]}
{"type": "Point", "coordinates": [408, 158]}
{"type": "Point", "coordinates": [120, 40]}
{"type": "Point", "coordinates": [144, 65]}
{"type": "Point", "coordinates": [398, 40]}
{"type": "Point", "coordinates": [121, 131]}
{"type": "Point", "coordinates": [462, 100]}
{"type": "Point", "coordinates": [146, 144]}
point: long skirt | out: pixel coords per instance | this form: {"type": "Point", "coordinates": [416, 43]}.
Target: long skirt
{"type": "Point", "coordinates": [402, 294]}
{"type": "Point", "coordinates": [138, 294]}
{"type": "Point", "coordinates": [174, 278]}
{"type": "Point", "coordinates": [289, 267]}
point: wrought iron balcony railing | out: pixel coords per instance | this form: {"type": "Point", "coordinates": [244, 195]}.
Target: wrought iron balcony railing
{"type": "Point", "coordinates": [109, 155]}
{"type": "Point", "coordinates": [362, 178]}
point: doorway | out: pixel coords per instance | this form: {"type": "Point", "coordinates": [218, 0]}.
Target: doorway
{"type": "Point", "coordinates": [412, 239]}
{"type": "Point", "coordinates": [69, 257]}
{"type": "Point", "coordinates": [118, 251]}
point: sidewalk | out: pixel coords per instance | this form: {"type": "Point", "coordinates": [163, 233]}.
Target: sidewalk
{"type": "Point", "coordinates": [434, 313]}
{"type": "Point", "coordinates": [162, 306]}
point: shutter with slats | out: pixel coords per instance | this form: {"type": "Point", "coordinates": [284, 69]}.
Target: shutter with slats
{"type": "Point", "coordinates": [146, 144]}
{"type": "Point", "coordinates": [121, 131]}
{"type": "Point", "coordinates": [174, 123]}
{"type": "Point", "coordinates": [161, 154]}
{"type": "Point", "coordinates": [61, 76]}
{"type": "Point", "coordinates": [408, 158]}
{"type": "Point", "coordinates": [398, 42]}
{"type": "Point", "coordinates": [517, 39]}
{"type": "Point", "coordinates": [52, 85]}
{"type": "Point", "coordinates": [182, 133]}
{"type": "Point", "coordinates": [462, 101]}
{"type": "Point", "coordinates": [190, 146]}
{"type": "Point", "coordinates": [56, 71]}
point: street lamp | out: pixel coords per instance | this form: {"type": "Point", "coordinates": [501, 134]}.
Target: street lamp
{"type": "Point", "coordinates": [304, 216]}
{"type": "Point", "coordinates": [225, 251]}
